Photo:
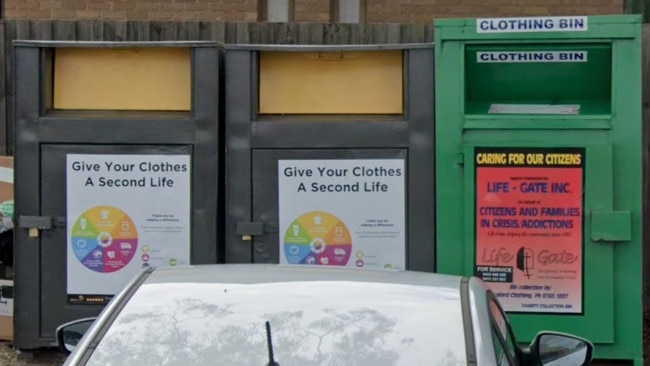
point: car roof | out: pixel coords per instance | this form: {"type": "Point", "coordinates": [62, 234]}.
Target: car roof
{"type": "Point", "coordinates": [270, 273]}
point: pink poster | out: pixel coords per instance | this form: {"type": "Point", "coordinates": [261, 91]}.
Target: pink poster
{"type": "Point", "coordinates": [529, 227]}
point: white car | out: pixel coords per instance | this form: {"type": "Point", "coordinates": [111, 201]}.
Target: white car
{"type": "Point", "coordinates": [255, 314]}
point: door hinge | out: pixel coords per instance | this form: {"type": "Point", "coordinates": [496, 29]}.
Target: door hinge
{"type": "Point", "coordinates": [611, 226]}
{"type": "Point", "coordinates": [249, 229]}
{"type": "Point", "coordinates": [41, 222]}
{"type": "Point", "coordinates": [460, 159]}
{"type": "Point", "coordinates": [36, 223]}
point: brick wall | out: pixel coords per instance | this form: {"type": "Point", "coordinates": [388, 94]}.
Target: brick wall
{"type": "Point", "coordinates": [418, 11]}
{"type": "Point", "coordinates": [230, 10]}
{"type": "Point", "coordinates": [397, 11]}
{"type": "Point", "coordinates": [312, 11]}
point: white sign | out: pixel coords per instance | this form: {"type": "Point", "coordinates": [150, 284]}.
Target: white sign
{"type": "Point", "coordinates": [534, 108]}
{"type": "Point", "coordinates": [342, 213]}
{"type": "Point", "coordinates": [124, 213]}
{"type": "Point", "coordinates": [531, 56]}
{"type": "Point", "coordinates": [532, 24]}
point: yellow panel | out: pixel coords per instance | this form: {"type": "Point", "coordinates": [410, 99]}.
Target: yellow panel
{"type": "Point", "coordinates": [147, 79]}
{"type": "Point", "coordinates": [331, 82]}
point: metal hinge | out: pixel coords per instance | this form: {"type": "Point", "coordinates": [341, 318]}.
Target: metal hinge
{"type": "Point", "coordinates": [41, 222]}
{"type": "Point", "coordinates": [460, 159]}
{"type": "Point", "coordinates": [36, 223]}
{"type": "Point", "coordinates": [249, 229]}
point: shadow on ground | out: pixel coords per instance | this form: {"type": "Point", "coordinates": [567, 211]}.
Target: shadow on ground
{"type": "Point", "coordinates": [42, 357]}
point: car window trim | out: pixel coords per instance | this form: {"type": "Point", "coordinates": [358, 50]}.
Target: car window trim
{"type": "Point", "coordinates": [470, 346]}
{"type": "Point", "coordinates": [491, 298]}
{"type": "Point", "coordinates": [497, 343]}
{"type": "Point", "coordinates": [502, 342]}
{"type": "Point", "coordinates": [121, 302]}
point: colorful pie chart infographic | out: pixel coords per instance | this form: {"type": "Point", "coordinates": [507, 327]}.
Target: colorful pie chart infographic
{"type": "Point", "coordinates": [104, 239]}
{"type": "Point", "coordinates": [318, 238]}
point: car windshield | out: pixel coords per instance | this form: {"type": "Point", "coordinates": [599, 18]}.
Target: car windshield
{"type": "Point", "coordinates": [312, 323]}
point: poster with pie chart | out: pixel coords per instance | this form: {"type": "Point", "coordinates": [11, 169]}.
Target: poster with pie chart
{"type": "Point", "coordinates": [318, 238]}
{"type": "Point", "coordinates": [104, 239]}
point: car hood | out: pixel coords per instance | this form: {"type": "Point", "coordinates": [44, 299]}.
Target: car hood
{"type": "Point", "coordinates": [313, 322]}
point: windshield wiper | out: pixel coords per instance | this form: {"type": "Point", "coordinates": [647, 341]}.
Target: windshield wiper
{"type": "Point", "coordinates": [269, 344]}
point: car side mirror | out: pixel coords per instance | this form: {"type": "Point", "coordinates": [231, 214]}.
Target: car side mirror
{"type": "Point", "coordinates": [559, 349]}
{"type": "Point", "coordinates": [69, 334]}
